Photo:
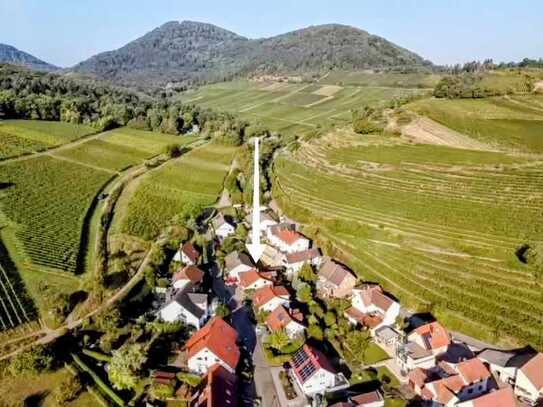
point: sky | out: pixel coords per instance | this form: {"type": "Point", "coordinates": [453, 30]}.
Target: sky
{"type": "Point", "coordinates": [65, 32]}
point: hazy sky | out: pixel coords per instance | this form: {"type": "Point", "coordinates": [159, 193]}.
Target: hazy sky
{"type": "Point", "coordinates": [64, 32]}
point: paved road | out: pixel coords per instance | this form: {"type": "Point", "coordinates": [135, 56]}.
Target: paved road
{"type": "Point", "coordinates": [262, 386]}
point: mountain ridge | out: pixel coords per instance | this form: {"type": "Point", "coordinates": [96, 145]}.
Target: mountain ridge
{"type": "Point", "coordinates": [12, 55]}
{"type": "Point", "coordinates": [190, 52]}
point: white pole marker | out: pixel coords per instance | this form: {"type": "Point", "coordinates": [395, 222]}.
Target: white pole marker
{"type": "Point", "coordinates": [255, 248]}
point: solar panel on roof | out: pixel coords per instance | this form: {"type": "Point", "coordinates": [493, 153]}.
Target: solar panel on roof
{"type": "Point", "coordinates": [299, 358]}
{"type": "Point", "coordinates": [307, 371]}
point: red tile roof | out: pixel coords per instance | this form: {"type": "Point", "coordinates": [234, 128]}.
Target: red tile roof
{"type": "Point", "coordinates": [499, 398]}
{"type": "Point", "coordinates": [418, 376]}
{"type": "Point", "coordinates": [447, 388]}
{"type": "Point", "coordinates": [473, 371]}
{"type": "Point", "coordinates": [279, 318]}
{"type": "Point", "coordinates": [190, 273]}
{"type": "Point", "coordinates": [534, 371]}
{"type": "Point", "coordinates": [367, 398]}
{"type": "Point", "coordinates": [264, 295]}
{"type": "Point", "coordinates": [374, 295]}
{"type": "Point", "coordinates": [219, 389]}
{"type": "Point", "coordinates": [434, 335]}
{"type": "Point", "coordinates": [190, 251]}
{"type": "Point", "coordinates": [286, 233]}
{"type": "Point", "coordinates": [217, 336]}
{"type": "Point", "coordinates": [248, 278]}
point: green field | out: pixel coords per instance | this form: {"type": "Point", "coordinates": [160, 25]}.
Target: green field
{"type": "Point", "coordinates": [386, 79]}
{"type": "Point", "coordinates": [511, 122]}
{"type": "Point", "coordinates": [437, 226]}
{"type": "Point", "coordinates": [292, 108]}
{"type": "Point", "coordinates": [27, 136]}
{"type": "Point", "coordinates": [195, 180]}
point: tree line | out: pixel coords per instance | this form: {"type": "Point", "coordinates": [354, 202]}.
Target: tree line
{"type": "Point", "coordinates": [32, 95]}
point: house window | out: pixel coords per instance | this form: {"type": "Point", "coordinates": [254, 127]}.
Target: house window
{"type": "Point", "coordinates": [470, 390]}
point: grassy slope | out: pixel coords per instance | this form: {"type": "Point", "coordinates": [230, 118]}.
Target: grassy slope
{"type": "Point", "coordinates": [506, 122]}
{"type": "Point", "coordinates": [194, 179]}
{"type": "Point", "coordinates": [436, 226]}
{"type": "Point", "coordinates": [27, 136]}
{"type": "Point", "coordinates": [291, 108]}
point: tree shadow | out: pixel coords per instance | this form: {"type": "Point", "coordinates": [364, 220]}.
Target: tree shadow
{"type": "Point", "coordinates": [35, 400]}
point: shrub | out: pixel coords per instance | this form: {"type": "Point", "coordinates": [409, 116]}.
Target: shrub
{"type": "Point", "coordinates": [67, 390]}
{"type": "Point", "coordinates": [32, 362]}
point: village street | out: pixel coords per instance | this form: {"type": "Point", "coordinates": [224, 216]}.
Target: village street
{"type": "Point", "coordinates": [262, 383]}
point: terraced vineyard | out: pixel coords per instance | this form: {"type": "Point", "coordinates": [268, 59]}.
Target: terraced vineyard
{"type": "Point", "coordinates": [193, 181]}
{"type": "Point", "coordinates": [437, 226]}
{"type": "Point", "coordinates": [27, 136]}
{"type": "Point", "coordinates": [512, 122]}
{"type": "Point", "coordinates": [293, 108]}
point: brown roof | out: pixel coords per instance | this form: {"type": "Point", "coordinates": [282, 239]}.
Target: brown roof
{"type": "Point", "coordinates": [190, 251]}
{"type": "Point", "coordinates": [371, 321]}
{"type": "Point", "coordinates": [373, 294]}
{"type": "Point", "coordinates": [534, 371]}
{"type": "Point", "coordinates": [473, 371]}
{"type": "Point", "coordinates": [190, 273]}
{"type": "Point", "coordinates": [306, 356]}
{"type": "Point", "coordinates": [499, 398]}
{"type": "Point", "coordinates": [447, 388]}
{"type": "Point", "coordinates": [217, 336]}
{"type": "Point", "coordinates": [418, 376]}
{"type": "Point", "coordinates": [434, 335]}
{"type": "Point", "coordinates": [234, 259]}
{"type": "Point", "coordinates": [306, 255]}
{"type": "Point", "coordinates": [335, 273]}
{"type": "Point", "coordinates": [279, 318]}
{"type": "Point", "coordinates": [265, 294]}
{"type": "Point", "coordinates": [367, 398]}
{"type": "Point", "coordinates": [219, 389]}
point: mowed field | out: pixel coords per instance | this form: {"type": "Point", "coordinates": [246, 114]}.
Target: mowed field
{"type": "Point", "coordinates": [195, 180]}
{"type": "Point", "coordinates": [46, 203]}
{"type": "Point", "coordinates": [18, 137]}
{"type": "Point", "coordinates": [437, 226]}
{"type": "Point", "coordinates": [293, 108]}
{"type": "Point", "coordinates": [513, 123]}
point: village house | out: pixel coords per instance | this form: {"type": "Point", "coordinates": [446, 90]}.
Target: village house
{"type": "Point", "coordinates": [450, 384]}
{"type": "Point", "coordinates": [286, 238]}
{"type": "Point", "coordinates": [422, 346]}
{"type": "Point", "coordinates": [372, 308]}
{"type": "Point", "coordinates": [314, 373]}
{"type": "Point", "coordinates": [295, 261]}
{"type": "Point", "coordinates": [222, 227]}
{"type": "Point", "coordinates": [267, 298]}
{"type": "Point", "coordinates": [187, 254]}
{"type": "Point", "coordinates": [387, 336]}
{"type": "Point", "coordinates": [236, 263]}
{"type": "Point", "coordinates": [290, 321]}
{"type": "Point", "coordinates": [504, 365]}
{"type": "Point", "coordinates": [214, 343]}
{"type": "Point", "coordinates": [187, 278]}
{"type": "Point", "coordinates": [218, 389]}
{"type": "Point", "coordinates": [272, 258]}
{"type": "Point", "coordinates": [253, 280]}
{"type": "Point", "coordinates": [529, 382]}
{"type": "Point", "coordinates": [371, 399]}
{"type": "Point", "coordinates": [266, 221]}
{"type": "Point", "coordinates": [498, 398]}
{"type": "Point", "coordinates": [190, 308]}
{"type": "Point", "coordinates": [334, 280]}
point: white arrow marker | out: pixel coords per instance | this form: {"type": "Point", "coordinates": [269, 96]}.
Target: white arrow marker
{"type": "Point", "coordinates": [255, 248]}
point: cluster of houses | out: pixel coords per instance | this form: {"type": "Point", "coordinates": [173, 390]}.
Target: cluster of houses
{"type": "Point", "coordinates": [440, 371]}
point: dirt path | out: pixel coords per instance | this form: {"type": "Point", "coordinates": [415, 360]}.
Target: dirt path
{"type": "Point", "coordinates": [426, 131]}
{"type": "Point", "coordinates": [49, 151]}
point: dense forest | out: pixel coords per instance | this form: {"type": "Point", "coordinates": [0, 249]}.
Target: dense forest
{"type": "Point", "coordinates": [26, 94]}
{"type": "Point", "coordinates": [191, 53]}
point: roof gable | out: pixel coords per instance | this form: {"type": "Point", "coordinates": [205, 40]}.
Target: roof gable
{"type": "Point", "coordinates": [533, 370]}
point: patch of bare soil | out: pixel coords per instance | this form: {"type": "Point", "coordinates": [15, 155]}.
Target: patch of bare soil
{"type": "Point", "coordinates": [328, 90]}
{"type": "Point", "coordinates": [426, 131]}
{"type": "Point", "coordinates": [538, 87]}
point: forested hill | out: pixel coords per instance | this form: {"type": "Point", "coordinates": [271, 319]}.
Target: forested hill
{"type": "Point", "coordinates": [194, 53]}
{"type": "Point", "coordinates": [14, 56]}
